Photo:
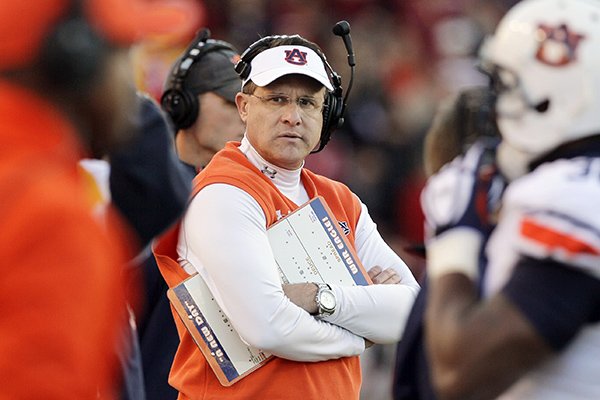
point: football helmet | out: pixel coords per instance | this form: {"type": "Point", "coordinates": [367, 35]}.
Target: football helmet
{"type": "Point", "coordinates": [544, 63]}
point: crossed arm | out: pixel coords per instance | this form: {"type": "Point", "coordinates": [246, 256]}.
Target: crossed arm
{"type": "Point", "coordinates": [304, 294]}
{"type": "Point", "coordinates": [376, 312]}
{"type": "Point", "coordinates": [225, 240]}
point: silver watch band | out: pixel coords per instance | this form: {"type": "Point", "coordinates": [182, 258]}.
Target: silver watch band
{"type": "Point", "coordinates": [325, 299]}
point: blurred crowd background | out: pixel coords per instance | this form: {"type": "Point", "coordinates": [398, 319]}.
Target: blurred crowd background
{"type": "Point", "coordinates": [409, 56]}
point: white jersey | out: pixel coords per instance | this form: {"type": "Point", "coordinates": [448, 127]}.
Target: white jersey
{"type": "Point", "coordinates": [553, 213]}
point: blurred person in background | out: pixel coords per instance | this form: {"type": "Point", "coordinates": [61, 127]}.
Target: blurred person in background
{"type": "Point", "coordinates": [534, 333]}
{"type": "Point", "coordinates": [199, 98]}
{"type": "Point", "coordinates": [66, 92]}
{"type": "Point", "coordinates": [147, 184]}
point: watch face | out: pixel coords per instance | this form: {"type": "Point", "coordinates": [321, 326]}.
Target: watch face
{"type": "Point", "coordinates": [327, 300]}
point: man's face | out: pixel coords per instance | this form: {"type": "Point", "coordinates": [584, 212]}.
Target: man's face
{"type": "Point", "coordinates": [218, 123]}
{"type": "Point", "coordinates": [284, 119]}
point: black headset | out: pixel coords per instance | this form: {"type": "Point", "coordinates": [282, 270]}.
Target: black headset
{"type": "Point", "coordinates": [334, 105]}
{"type": "Point", "coordinates": [73, 53]}
{"type": "Point", "coordinates": [178, 102]}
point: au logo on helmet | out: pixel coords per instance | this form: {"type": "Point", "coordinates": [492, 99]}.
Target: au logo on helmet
{"type": "Point", "coordinates": [558, 45]}
{"type": "Point", "coordinates": [296, 57]}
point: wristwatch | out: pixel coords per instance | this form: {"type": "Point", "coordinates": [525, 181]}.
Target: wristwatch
{"type": "Point", "coordinates": [325, 299]}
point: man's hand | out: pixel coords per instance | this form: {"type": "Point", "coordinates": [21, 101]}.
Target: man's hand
{"type": "Point", "coordinates": [464, 193]}
{"type": "Point", "coordinates": [459, 203]}
{"type": "Point", "coordinates": [303, 295]}
{"type": "Point", "coordinates": [381, 276]}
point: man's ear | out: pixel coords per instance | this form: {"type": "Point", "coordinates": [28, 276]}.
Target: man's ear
{"type": "Point", "coordinates": [241, 101]}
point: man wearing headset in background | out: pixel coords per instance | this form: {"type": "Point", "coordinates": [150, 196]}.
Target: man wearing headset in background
{"type": "Point", "coordinates": [66, 91]}
{"type": "Point", "coordinates": [199, 98]}
{"type": "Point", "coordinates": [285, 104]}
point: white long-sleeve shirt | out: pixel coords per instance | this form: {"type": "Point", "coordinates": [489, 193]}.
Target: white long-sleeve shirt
{"type": "Point", "coordinates": [224, 238]}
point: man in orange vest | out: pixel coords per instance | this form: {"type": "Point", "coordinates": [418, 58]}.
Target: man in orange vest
{"type": "Point", "coordinates": [316, 332]}
{"type": "Point", "coordinates": [65, 93]}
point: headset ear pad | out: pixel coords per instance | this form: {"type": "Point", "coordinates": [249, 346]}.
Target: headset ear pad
{"type": "Point", "coordinates": [182, 106]}
{"type": "Point", "coordinates": [242, 68]}
{"type": "Point", "coordinates": [332, 116]}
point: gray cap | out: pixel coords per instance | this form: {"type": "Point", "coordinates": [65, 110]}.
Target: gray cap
{"type": "Point", "coordinates": [214, 72]}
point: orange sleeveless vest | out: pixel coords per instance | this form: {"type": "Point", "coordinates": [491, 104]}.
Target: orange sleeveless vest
{"type": "Point", "coordinates": [279, 378]}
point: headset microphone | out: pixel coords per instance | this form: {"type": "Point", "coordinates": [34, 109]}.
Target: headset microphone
{"type": "Point", "coordinates": [342, 28]}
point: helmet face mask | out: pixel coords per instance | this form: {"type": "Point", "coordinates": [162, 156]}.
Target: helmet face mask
{"type": "Point", "coordinates": [508, 89]}
{"type": "Point", "coordinates": [545, 67]}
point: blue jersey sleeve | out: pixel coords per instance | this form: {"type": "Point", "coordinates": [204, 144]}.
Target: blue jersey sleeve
{"type": "Point", "coordinates": [558, 300]}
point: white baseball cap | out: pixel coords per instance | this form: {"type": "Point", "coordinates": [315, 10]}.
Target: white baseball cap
{"type": "Point", "coordinates": [278, 61]}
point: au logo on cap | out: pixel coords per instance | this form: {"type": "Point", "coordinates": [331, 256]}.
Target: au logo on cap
{"type": "Point", "coordinates": [295, 57]}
